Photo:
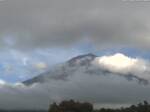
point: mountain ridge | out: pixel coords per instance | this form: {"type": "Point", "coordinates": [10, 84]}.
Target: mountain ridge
{"type": "Point", "coordinates": [73, 65]}
{"type": "Point", "coordinates": [80, 60]}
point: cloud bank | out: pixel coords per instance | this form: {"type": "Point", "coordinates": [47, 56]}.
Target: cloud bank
{"type": "Point", "coordinates": [50, 23]}
{"type": "Point", "coordinates": [82, 87]}
{"type": "Point", "coordinates": [101, 89]}
{"type": "Point", "coordinates": [105, 24]}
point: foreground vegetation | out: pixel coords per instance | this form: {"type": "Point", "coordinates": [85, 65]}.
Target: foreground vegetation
{"type": "Point", "coordinates": [72, 106]}
{"type": "Point", "coordinates": [22, 110]}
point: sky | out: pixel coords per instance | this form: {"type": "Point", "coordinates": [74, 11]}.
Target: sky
{"type": "Point", "coordinates": [32, 33]}
{"type": "Point", "coordinates": [36, 35]}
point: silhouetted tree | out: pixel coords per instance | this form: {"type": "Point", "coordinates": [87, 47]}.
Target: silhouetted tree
{"type": "Point", "coordinates": [53, 108]}
{"type": "Point", "coordinates": [71, 106]}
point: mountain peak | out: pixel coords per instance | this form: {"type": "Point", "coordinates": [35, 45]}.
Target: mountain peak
{"type": "Point", "coordinates": [82, 59]}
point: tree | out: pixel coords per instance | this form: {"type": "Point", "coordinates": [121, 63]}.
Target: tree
{"type": "Point", "coordinates": [71, 106]}
{"type": "Point", "coordinates": [53, 107]}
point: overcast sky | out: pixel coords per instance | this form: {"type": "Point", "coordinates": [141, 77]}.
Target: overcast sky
{"type": "Point", "coordinates": [31, 24]}
{"type": "Point", "coordinates": [38, 34]}
{"type": "Point", "coordinates": [40, 29]}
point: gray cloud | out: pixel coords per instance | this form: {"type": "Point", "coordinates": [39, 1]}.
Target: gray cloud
{"type": "Point", "coordinates": [49, 23]}
{"type": "Point", "coordinates": [31, 24]}
{"type": "Point", "coordinates": [83, 87]}
{"type": "Point", "coordinates": [100, 88]}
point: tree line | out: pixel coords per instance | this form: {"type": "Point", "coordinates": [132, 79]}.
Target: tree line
{"type": "Point", "coordinates": [73, 106]}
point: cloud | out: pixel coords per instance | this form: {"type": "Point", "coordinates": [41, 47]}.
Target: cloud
{"type": "Point", "coordinates": [16, 65]}
{"type": "Point", "coordinates": [121, 64]}
{"type": "Point", "coordinates": [40, 24]}
{"type": "Point", "coordinates": [36, 24]}
{"type": "Point", "coordinates": [96, 89]}
{"type": "Point", "coordinates": [41, 65]}
{"type": "Point", "coordinates": [107, 89]}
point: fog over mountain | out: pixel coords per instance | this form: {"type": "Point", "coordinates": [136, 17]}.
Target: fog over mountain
{"type": "Point", "coordinates": [85, 78]}
{"type": "Point", "coordinates": [119, 64]}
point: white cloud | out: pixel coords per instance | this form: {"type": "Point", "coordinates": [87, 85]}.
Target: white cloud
{"type": "Point", "coordinates": [2, 82]}
{"type": "Point", "coordinates": [41, 66]}
{"type": "Point", "coordinates": [122, 64]}
{"type": "Point", "coordinates": [99, 89]}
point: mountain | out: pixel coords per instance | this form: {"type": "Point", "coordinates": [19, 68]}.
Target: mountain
{"type": "Point", "coordinates": [82, 60]}
{"type": "Point", "coordinates": [82, 63]}
{"type": "Point", "coordinates": [60, 72]}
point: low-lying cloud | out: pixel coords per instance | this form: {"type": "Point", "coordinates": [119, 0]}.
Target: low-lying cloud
{"type": "Point", "coordinates": [100, 89]}
{"type": "Point", "coordinates": [92, 88]}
